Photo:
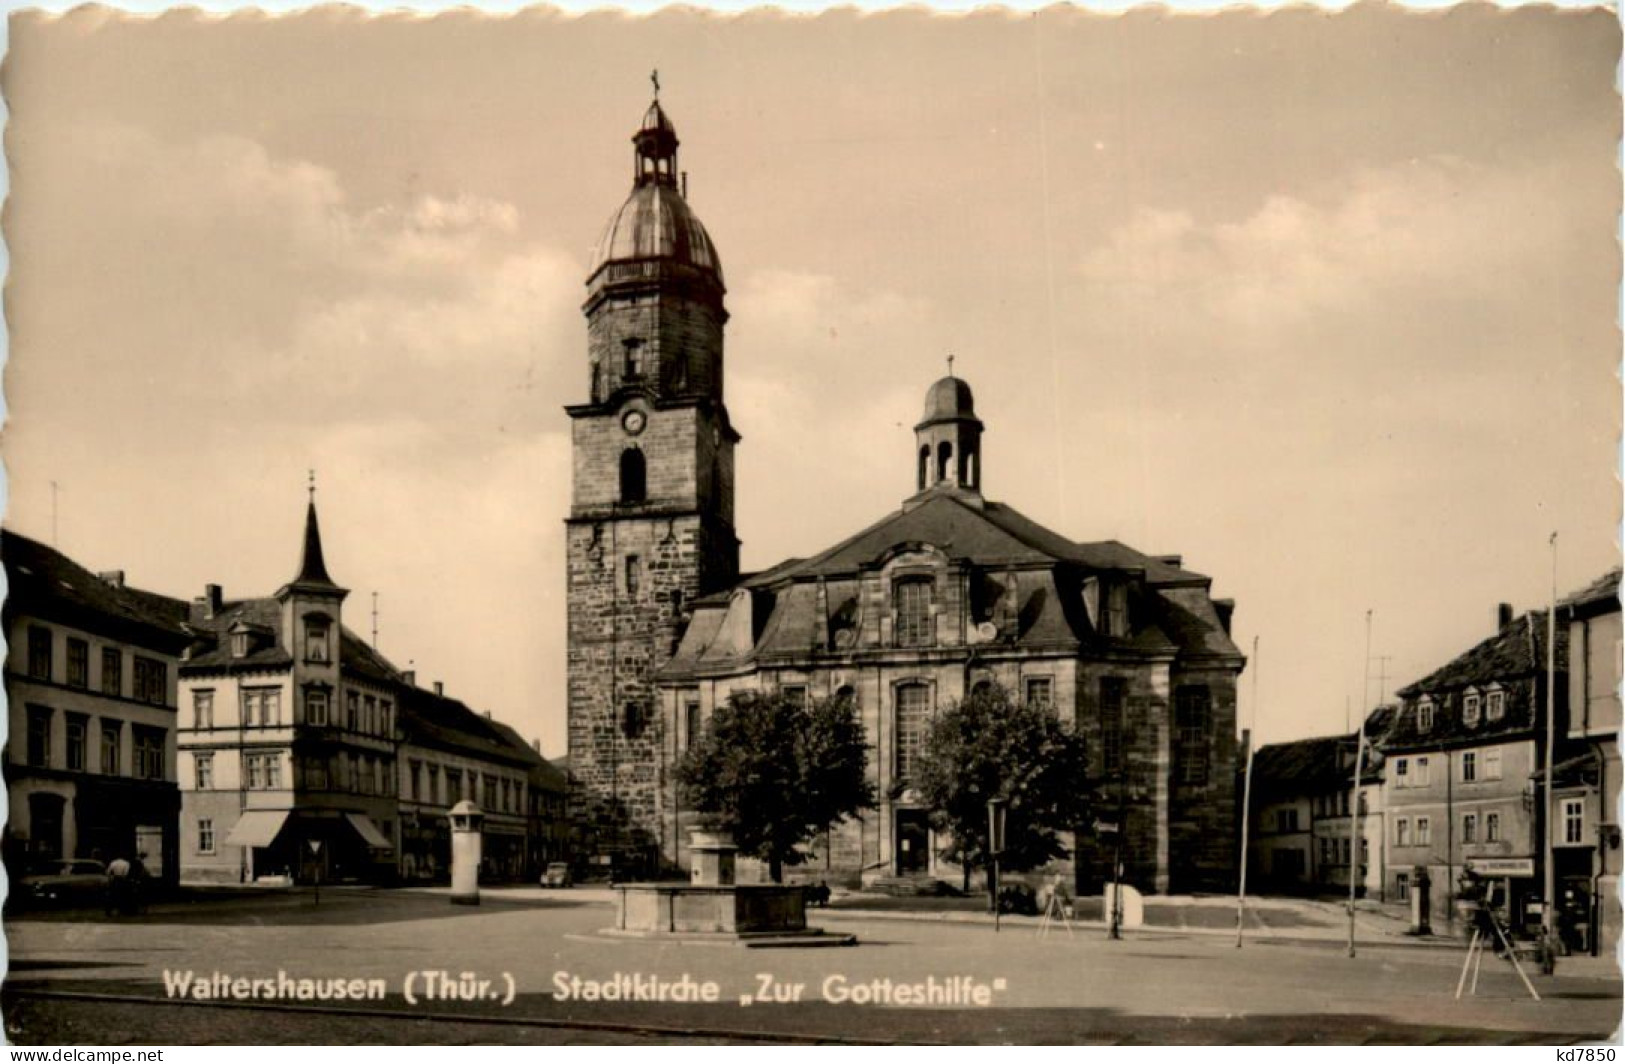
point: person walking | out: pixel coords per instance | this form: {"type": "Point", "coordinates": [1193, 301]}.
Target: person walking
{"type": "Point", "coordinates": [119, 871]}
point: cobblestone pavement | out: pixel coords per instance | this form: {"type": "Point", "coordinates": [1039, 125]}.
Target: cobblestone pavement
{"type": "Point", "coordinates": [1150, 987]}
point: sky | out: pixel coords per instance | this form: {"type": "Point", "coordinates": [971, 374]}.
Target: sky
{"type": "Point", "coordinates": [1324, 303]}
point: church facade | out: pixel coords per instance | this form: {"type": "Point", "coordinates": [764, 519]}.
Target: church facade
{"type": "Point", "coordinates": [948, 592]}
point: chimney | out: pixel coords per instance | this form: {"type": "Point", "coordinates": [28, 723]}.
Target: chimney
{"type": "Point", "coordinates": [410, 677]}
{"type": "Point", "coordinates": [488, 714]}
{"type": "Point", "coordinates": [213, 600]}
{"type": "Point", "coordinates": [1503, 616]}
{"type": "Point", "coordinates": [1175, 560]}
{"type": "Point", "coordinates": [114, 577]}
{"type": "Point", "coordinates": [439, 689]}
{"type": "Point", "coordinates": [536, 744]}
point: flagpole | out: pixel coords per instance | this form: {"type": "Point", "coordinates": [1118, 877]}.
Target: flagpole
{"type": "Point", "coordinates": [1549, 883]}
{"type": "Point", "coordinates": [1247, 803]}
{"type": "Point", "coordinates": [1354, 826]}
{"type": "Point", "coordinates": [1354, 799]}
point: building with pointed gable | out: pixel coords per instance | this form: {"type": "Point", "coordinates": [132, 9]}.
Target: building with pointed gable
{"type": "Point", "coordinates": [305, 754]}
{"type": "Point", "coordinates": [913, 612]}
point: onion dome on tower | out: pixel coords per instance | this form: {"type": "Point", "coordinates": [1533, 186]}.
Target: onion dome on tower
{"type": "Point", "coordinates": [655, 222]}
{"type": "Point", "coordinates": [655, 293]}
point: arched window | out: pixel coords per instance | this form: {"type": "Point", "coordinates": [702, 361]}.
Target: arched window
{"type": "Point", "coordinates": [982, 690]}
{"type": "Point", "coordinates": [912, 601]}
{"type": "Point", "coordinates": [925, 464]}
{"type": "Point", "coordinates": [945, 460]}
{"type": "Point", "coordinates": [968, 476]}
{"type": "Point", "coordinates": [847, 694]}
{"type": "Point", "coordinates": [634, 476]}
{"type": "Point", "coordinates": [913, 702]}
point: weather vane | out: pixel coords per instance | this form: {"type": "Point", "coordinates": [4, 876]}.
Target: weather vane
{"type": "Point", "coordinates": [654, 79]}
{"type": "Point", "coordinates": [312, 487]}
{"type": "Point", "coordinates": [950, 365]}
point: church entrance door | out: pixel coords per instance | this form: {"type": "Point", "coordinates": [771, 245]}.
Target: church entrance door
{"type": "Point", "coordinates": [913, 842]}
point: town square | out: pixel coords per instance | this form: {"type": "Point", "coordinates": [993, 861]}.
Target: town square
{"type": "Point", "coordinates": [1290, 982]}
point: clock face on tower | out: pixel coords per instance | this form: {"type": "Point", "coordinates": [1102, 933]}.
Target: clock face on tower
{"type": "Point", "coordinates": [633, 421]}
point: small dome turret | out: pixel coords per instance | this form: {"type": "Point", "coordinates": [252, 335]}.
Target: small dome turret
{"type": "Point", "coordinates": [948, 439]}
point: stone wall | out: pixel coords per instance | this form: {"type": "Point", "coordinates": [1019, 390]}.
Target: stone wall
{"type": "Point", "coordinates": [679, 341]}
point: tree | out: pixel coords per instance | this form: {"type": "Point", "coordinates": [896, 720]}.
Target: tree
{"type": "Point", "coordinates": [775, 772]}
{"type": "Point", "coordinates": [989, 746]}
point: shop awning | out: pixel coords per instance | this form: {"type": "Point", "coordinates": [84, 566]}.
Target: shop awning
{"type": "Point", "coordinates": [257, 827]}
{"type": "Point", "coordinates": [368, 831]}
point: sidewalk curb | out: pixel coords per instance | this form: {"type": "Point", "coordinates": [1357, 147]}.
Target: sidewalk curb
{"type": "Point", "coordinates": [1033, 922]}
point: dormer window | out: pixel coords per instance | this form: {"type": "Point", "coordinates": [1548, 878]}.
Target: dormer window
{"type": "Point", "coordinates": [1495, 705]}
{"type": "Point", "coordinates": [1470, 708]}
{"type": "Point", "coordinates": [240, 644]}
{"type": "Point", "coordinates": [1116, 618]}
{"type": "Point", "coordinates": [1424, 715]}
{"type": "Point", "coordinates": [316, 648]}
{"type": "Point", "coordinates": [912, 601]}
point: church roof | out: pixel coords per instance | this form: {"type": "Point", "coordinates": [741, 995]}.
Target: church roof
{"type": "Point", "coordinates": [990, 534]}
{"type": "Point", "coordinates": [785, 612]}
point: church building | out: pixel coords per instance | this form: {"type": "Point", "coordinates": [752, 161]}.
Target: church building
{"type": "Point", "coordinates": [914, 612]}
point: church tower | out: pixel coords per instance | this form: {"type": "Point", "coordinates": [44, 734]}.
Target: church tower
{"type": "Point", "coordinates": [651, 517]}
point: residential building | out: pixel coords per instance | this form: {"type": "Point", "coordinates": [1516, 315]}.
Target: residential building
{"type": "Point", "coordinates": [1586, 847]}
{"type": "Point", "coordinates": [1305, 827]}
{"type": "Point", "coordinates": [448, 753]}
{"type": "Point", "coordinates": [305, 755]}
{"type": "Point", "coordinates": [1459, 755]}
{"type": "Point", "coordinates": [547, 805]}
{"type": "Point", "coordinates": [91, 684]}
{"type": "Point", "coordinates": [287, 736]}
{"type": "Point", "coordinates": [949, 592]}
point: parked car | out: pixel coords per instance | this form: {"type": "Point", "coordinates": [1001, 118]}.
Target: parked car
{"type": "Point", "coordinates": [67, 880]}
{"type": "Point", "coordinates": [557, 874]}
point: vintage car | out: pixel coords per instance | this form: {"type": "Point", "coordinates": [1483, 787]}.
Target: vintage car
{"type": "Point", "coordinates": [66, 880]}
{"type": "Point", "coordinates": [557, 874]}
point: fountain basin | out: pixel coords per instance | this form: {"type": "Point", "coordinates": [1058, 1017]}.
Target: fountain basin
{"type": "Point", "coordinates": [752, 915]}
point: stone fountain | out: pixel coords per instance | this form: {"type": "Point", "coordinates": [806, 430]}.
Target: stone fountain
{"type": "Point", "coordinates": [711, 907]}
